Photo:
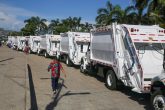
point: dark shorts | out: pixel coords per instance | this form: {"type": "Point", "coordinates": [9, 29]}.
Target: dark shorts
{"type": "Point", "coordinates": [55, 83]}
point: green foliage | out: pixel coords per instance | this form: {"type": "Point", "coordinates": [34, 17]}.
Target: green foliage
{"type": "Point", "coordinates": [37, 26]}
{"type": "Point", "coordinates": [69, 24]}
{"type": "Point", "coordinates": [15, 33]}
{"type": "Point", "coordinates": [115, 14]}
{"type": "Point", "coordinates": [135, 14]}
{"type": "Point", "coordinates": [34, 26]}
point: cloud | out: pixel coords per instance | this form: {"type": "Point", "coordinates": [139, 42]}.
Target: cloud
{"type": "Point", "coordinates": [10, 17]}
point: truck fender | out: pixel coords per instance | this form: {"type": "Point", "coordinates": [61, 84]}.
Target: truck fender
{"type": "Point", "coordinates": [156, 86]}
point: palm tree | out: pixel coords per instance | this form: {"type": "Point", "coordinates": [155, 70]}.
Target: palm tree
{"type": "Point", "coordinates": [86, 27]}
{"type": "Point", "coordinates": [41, 26]}
{"type": "Point", "coordinates": [155, 11]}
{"type": "Point", "coordinates": [140, 6]}
{"type": "Point", "coordinates": [53, 25]}
{"type": "Point", "coordinates": [73, 24]}
{"type": "Point", "coordinates": [115, 14]}
{"type": "Point", "coordinates": [76, 23]}
{"type": "Point", "coordinates": [104, 14]}
{"type": "Point", "coordinates": [129, 15]}
{"type": "Point", "coordinates": [35, 26]}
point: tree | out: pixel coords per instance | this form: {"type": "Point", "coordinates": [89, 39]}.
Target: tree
{"type": "Point", "coordinates": [34, 26]}
{"type": "Point", "coordinates": [65, 25]}
{"type": "Point", "coordinates": [86, 27]}
{"type": "Point", "coordinates": [76, 23]}
{"type": "Point", "coordinates": [155, 11]}
{"type": "Point", "coordinates": [104, 14]}
{"type": "Point", "coordinates": [115, 14]}
{"type": "Point", "coordinates": [53, 25]}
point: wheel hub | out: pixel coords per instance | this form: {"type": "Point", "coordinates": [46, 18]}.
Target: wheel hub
{"type": "Point", "coordinates": [67, 61]}
{"type": "Point", "coordinates": [82, 68]}
{"type": "Point", "coordinates": [159, 103]}
{"type": "Point", "coordinates": [109, 80]}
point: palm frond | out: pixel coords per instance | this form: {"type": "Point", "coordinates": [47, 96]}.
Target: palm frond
{"type": "Point", "coordinates": [102, 11]}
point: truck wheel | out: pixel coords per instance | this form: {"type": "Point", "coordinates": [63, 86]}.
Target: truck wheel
{"type": "Point", "coordinates": [111, 81]}
{"type": "Point", "coordinates": [158, 100]}
{"type": "Point", "coordinates": [46, 55]}
{"type": "Point", "coordinates": [58, 57]}
{"type": "Point", "coordinates": [30, 51]}
{"type": "Point", "coordinates": [82, 70]}
{"type": "Point", "coordinates": [38, 52]}
{"type": "Point", "coordinates": [68, 63]}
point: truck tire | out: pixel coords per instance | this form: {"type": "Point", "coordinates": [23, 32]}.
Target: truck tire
{"type": "Point", "coordinates": [68, 63]}
{"type": "Point", "coordinates": [17, 49]}
{"type": "Point", "coordinates": [111, 81]}
{"type": "Point", "coordinates": [46, 55]}
{"type": "Point", "coordinates": [58, 57]}
{"type": "Point", "coordinates": [158, 100]}
{"type": "Point", "coordinates": [30, 51]}
{"type": "Point", "coordinates": [82, 70]}
{"type": "Point", "coordinates": [38, 52]}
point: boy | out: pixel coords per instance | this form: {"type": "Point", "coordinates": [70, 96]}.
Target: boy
{"type": "Point", "coordinates": [55, 67]}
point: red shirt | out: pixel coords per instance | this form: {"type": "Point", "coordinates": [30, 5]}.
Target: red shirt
{"type": "Point", "coordinates": [55, 67]}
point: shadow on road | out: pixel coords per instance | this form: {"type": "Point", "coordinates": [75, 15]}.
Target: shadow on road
{"type": "Point", "coordinates": [93, 74]}
{"type": "Point", "coordinates": [2, 64]}
{"type": "Point", "coordinates": [58, 97]}
{"type": "Point", "coordinates": [142, 99]}
{"type": "Point", "coordinates": [33, 100]}
{"type": "Point", "coordinates": [6, 59]}
{"type": "Point", "coordinates": [44, 78]}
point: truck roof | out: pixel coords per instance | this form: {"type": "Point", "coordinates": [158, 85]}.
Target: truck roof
{"type": "Point", "coordinates": [79, 36]}
{"type": "Point", "coordinates": [55, 38]}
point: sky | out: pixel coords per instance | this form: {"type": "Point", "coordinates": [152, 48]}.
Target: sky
{"type": "Point", "coordinates": [14, 12]}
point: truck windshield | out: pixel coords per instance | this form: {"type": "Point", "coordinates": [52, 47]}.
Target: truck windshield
{"type": "Point", "coordinates": [142, 47]}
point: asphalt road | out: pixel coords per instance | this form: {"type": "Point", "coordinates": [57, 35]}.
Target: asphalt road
{"type": "Point", "coordinates": [25, 84]}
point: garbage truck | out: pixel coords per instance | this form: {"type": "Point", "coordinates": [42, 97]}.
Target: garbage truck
{"type": "Point", "coordinates": [42, 45]}
{"type": "Point", "coordinates": [21, 43]}
{"type": "Point", "coordinates": [52, 45]}
{"type": "Point", "coordinates": [73, 46]}
{"type": "Point", "coordinates": [9, 42]}
{"type": "Point", "coordinates": [33, 44]}
{"type": "Point", "coordinates": [47, 45]}
{"type": "Point", "coordinates": [13, 41]}
{"type": "Point", "coordinates": [130, 55]}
